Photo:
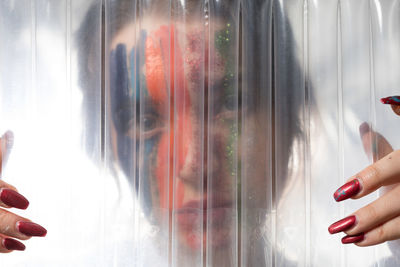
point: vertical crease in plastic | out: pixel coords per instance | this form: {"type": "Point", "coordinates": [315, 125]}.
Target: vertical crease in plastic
{"type": "Point", "coordinates": [214, 228]}
{"type": "Point", "coordinates": [136, 204]}
{"type": "Point", "coordinates": [343, 256]}
{"type": "Point", "coordinates": [307, 156]}
{"type": "Point", "coordinates": [139, 226]}
{"type": "Point", "coordinates": [103, 128]}
{"type": "Point", "coordinates": [372, 108]}
{"type": "Point", "coordinates": [32, 92]}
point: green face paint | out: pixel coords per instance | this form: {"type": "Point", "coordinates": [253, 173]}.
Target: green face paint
{"type": "Point", "coordinates": [224, 46]}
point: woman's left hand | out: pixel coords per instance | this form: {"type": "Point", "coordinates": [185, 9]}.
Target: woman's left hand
{"type": "Point", "coordinates": [12, 226]}
{"type": "Point", "coordinates": [380, 220]}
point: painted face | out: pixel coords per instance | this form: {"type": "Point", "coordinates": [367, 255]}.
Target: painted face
{"type": "Point", "coordinates": [176, 110]}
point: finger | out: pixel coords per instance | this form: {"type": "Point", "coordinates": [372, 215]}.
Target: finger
{"type": "Point", "coordinates": [396, 109]}
{"type": "Point", "coordinates": [388, 231]}
{"type": "Point", "coordinates": [394, 101]}
{"type": "Point", "coordinates": [349, 239]}
{"type": "Point", "coordinates": [391, 100]}
{"type": "Point", "coordinates": [7, 185]}
{"type": "Point", "coordinates": [384, 172]}
{"type": "Point", "coordinates": [8, 244]}
{"type": "Point", "coordinates": [375, 145]}
{"type": "Point", "coordinates": [376, 213]}
{"type": "Point", "coordinates": [6, 143]}
{"type": "Point", "coordinates": [9, 197]}
{"type": "Point", "coordinates": [19, 227]}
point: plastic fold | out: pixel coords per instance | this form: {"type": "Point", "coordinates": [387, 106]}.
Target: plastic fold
{"type": "Point", "coordinates": [195, 133]}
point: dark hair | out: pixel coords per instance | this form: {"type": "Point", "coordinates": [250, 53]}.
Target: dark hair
{"type": "Point", "coordinates": [285, 119]}
{"type": "Point", "coordinates": [91, 43]}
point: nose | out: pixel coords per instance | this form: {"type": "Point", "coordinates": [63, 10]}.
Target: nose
{"type": "Point", "coordinates": [189, 149]}
{"type": "Point", "coordinates": [198, 151]}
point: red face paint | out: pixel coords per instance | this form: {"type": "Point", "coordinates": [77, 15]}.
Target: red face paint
{"type": "Point", "coordinates": [166, 85]}
{"type": "Point", "coordinates": [175, 167]}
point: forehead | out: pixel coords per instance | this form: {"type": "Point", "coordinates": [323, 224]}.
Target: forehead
{"type": "Point", "coordinates": [186, 31]}
{"type": "Point", "coordinates": [205, 52]}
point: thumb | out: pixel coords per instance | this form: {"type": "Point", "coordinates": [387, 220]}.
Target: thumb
{"type": "Point", "coordinates": [394, 101]}
{"type": "Point", "coordinates": [375, 145]}
{"type": "Point", "coordinates": [396, 109]}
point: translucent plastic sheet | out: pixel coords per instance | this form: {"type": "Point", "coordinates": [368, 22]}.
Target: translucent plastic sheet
{"type": "Point", "coordinates": [194, 133]}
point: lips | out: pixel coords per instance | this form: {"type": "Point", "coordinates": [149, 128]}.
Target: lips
{"type": "Point", "coordinates": [194, 213]}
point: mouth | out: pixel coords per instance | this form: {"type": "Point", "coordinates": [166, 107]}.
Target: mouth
{"type": "Point", "coordinates": [211, 210]}
{"type": "Point", "coordinates": [206, 220]}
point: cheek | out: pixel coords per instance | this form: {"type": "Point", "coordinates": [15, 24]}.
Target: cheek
{"type": "Point", "coordinates": [256, 164]}
{"type": "Point", "coordinates": [163, 170]}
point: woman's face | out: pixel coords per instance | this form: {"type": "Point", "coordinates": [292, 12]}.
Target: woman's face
{"type": "Point", "coordinates": [179, 128]}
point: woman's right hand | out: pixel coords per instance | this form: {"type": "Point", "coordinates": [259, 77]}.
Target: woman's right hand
{"type": "Point", "coordinates": [379, 221]}
{"type": "Point", "coordinates": [12, 226]}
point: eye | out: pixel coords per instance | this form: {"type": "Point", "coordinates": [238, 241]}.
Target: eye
{"type": "Point", "coordinates": [229, 106]}
{"type": "Point", "coordinates": [146, 127]}
{"type": "Point", "coordinates": [149, 122]}
{"type": "Point", "coordinates": [230, 102]}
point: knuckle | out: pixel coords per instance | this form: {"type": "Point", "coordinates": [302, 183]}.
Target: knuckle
{"type": "Point", "coordinates": [373, 171]}
{"type": "Point", "coordinates": [4, 216]}
{"type": "Point", "coordinates": [371, 213]}
{"type": "Point", "coordinates": [380, 234]}
{"type": "Point", "coordinates": [7, 222]}
{"type": "Point", "coordinates": [6, 229]}
{"type": "Point", "coordinates": [370, 177]}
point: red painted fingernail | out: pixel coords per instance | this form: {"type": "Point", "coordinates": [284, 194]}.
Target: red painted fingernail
{"type": "Point", "coordinates": [31, 229]}
{"type": "Point", "coordinates": [13, 199]}
{"type": "Point", "coordinates": [392, 100]}
{"type": "Point", "coordinates": [349, 239]}
{"type": "Point", "coordinates": [342, 225]}
{"type": "Point", "coordinates": [347, 190]}
{"type": "Point", "coordinates": [12, 244]}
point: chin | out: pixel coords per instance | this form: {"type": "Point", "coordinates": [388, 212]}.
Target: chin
{"type": "Point", "coordinates": [211, 230]}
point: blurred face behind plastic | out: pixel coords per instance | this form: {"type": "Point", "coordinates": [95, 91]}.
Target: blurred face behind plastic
{"type": "Point", "coordinates": [176, 112]}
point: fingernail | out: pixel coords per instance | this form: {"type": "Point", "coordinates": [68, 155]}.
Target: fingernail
{"type": "Point", "coordinates": [364, 128]}
{"type": "Point", "coordinates": [347, 190]}
{"type": "Point", "coordinates": [13, 199]}
{"type": "Point", "coordinates": [342, 225]}
{"type": "Point", "coordinates": [349, 239]}
{"type": "Point", "coordinates": [12, 244]}
{"type": "Point", "coordinates": [392, 100]}
{"type": "Point", "coordinates": [31, 229]}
